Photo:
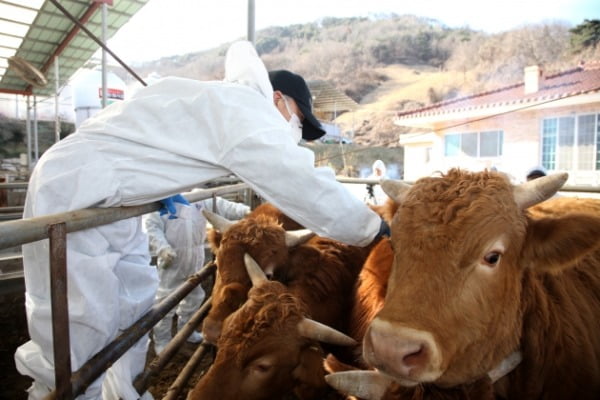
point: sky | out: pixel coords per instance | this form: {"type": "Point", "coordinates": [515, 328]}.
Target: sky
{"type": "Point", "coordinates": [164, 28]}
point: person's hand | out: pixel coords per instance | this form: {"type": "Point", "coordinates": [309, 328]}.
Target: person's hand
{"type": "Point", "coordinates": [169, 205]}
{"type": "Point", "coordinates": [165, 256]}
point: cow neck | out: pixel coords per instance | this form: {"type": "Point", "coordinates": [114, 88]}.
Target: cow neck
{"type": "Point", "coordinates": [505, 366]}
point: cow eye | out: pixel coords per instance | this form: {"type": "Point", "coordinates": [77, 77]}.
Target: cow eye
{"type": "Point", "coordinates": [262, 367]}
{"type": "Point", "coordinates": [492, 258]}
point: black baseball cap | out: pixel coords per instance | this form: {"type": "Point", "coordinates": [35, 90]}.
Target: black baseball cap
{"type": "Point", "coordinates": [294, 86]}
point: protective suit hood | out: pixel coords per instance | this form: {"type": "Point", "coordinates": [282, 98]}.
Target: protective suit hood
{"type": "Point", "coordinates": [243, 66]}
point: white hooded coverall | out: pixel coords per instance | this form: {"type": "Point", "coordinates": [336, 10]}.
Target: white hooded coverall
{"type": "Point", "coordinates": [168, 138]}
{"type": "Point", "coordinates": [379, 197]}
{"type": "Point", "coordinates": [186, 235]}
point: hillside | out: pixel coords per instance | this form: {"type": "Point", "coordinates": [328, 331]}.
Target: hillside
{"type": "Point", "coordinates": [386, 64]}
{"type": "Point", "coordinates": [394, 63]}
{"type": "Point", "coordinates": [404, 87]}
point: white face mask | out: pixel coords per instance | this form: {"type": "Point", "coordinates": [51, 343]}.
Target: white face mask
{"type": "Point", "coordinates": [295, 123]}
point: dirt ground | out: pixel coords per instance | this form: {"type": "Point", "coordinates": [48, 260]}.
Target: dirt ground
{"type": "Point", "coordinates": [13, 328]}
{"type": "Point", "coordinates": [13, 333]}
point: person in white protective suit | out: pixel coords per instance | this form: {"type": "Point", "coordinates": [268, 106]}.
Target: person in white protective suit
{"type": "Point", "coordinates": [375, 194]}
{"type": "Point", "coordinates": [179, 246]}
{"type": "Point", "coordinates": [166, 139]}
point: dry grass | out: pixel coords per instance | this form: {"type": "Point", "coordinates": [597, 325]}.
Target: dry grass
{"type": "Point", "coordinates": [406, 87]}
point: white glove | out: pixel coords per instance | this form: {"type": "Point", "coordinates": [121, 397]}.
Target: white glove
{"type": "Point", "coordinates": [165, 256]}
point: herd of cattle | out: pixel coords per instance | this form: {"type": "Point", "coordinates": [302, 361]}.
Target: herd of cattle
{"type": "Point", "coordinates": [485, 290]}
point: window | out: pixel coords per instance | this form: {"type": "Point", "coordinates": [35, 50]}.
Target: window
{"type": "Point", "coordinates": [571, 143]}
{"type": "Point", "coordinates": [474, 144]}
{"type": "Point", "coordinates": [491, 144]}
{"type": "Point", "coordinates": [452, 145]}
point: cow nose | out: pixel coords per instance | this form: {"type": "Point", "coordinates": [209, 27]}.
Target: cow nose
{"type": "Point", "coordinates": [401, 352]}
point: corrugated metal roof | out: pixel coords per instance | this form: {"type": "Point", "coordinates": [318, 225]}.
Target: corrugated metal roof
{"type": "Point", "coordinates": [37, 31]}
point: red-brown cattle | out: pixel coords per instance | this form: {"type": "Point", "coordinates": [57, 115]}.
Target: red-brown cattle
{"type": "Point", "coordinates": [476, 278]}
{"type": "Point", "coordinates": [369, 295]}
{"type": "Point", "coordinates": [260, 234]}
{"type": "Point", "coordinates": [268, 349]}
{"type": "Point", "coordinates": [321, 271]}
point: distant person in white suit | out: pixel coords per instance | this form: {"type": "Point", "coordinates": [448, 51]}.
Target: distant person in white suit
{"type": "Point", "coordinates": [179, 246]}
{"type": "Point", "coordinates": [375, 194]}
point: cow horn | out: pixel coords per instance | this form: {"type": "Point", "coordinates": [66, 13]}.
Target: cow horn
{"type": "Point", "coordinates": [293, 238]}
{"type": "Point", "coordinates": [369, 385]}
{"type": "Point", "coordinates": [257, 276]}
{"type": "Point", "coordinates": [315, 330]}
{"type": "Point", "coordinates": [506, 366]}
{"type": "Point", "coordinates": [535, 191]}
{"type": "Point", "coordinates": [219, 223]}
{"type": "Point", "coordinates": [396, 190]}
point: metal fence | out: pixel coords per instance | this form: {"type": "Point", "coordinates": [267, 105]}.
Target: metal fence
{"type": "Point", "coordinates": [55, 228]}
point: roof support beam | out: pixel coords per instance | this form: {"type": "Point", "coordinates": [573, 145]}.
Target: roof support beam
{"type": "Point", "coordinates": [80, 25]}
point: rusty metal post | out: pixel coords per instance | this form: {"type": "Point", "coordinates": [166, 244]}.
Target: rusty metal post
{"type": "Point", "coordinates": [187, 371]}
{"type": "Point", "coordinates": [57, 233]}
{"type": "Point", "coordinates": [95, 366]}
{"type": "Point", "coordinates": [157, 365]}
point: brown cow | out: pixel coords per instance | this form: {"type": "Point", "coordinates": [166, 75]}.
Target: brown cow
{"type": "Point", "coordinates": [268, 348]}
{"type": "Point", "coordinates": [369, 295]}
{"type": "Point", "coordinates": [321, 271]}
{"type": "Point", "coordinates": [260, 234]}
{"type": "Point", "coordinates": [475, 278]}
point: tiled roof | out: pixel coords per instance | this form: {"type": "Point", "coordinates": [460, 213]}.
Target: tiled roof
{"type": "Point", "coordinates": [326, 98]}
{"type": "Point", "coordinates": [583, 79]}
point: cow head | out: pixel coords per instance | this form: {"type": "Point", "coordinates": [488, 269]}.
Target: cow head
{"type": "Point", "coordinates": [268, 348]}
{"type": "Point", "coordinates": [463, 245]}
{"type": "Point", "coordinates": [261, 236]}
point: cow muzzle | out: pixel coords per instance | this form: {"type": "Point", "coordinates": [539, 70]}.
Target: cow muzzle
{"type": "Point", "coordinates": [408, 355]}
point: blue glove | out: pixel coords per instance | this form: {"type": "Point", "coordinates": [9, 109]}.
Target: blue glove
{"type": "Point", "coordinates": [384, 230]}
{"type": "Point", "coordinates": [169, 205]}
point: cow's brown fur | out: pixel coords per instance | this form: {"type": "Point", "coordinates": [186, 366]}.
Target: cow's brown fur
{"type": "Point", "coordinates": [261, 355]}
{"type": "Point", "coordinates": [543, 298]}
{"type": "Point", "coordinates": [479, 390]}
{"type": "Point", "coordinates": [260, 235]}
{"type": "Point", "coordinates": [369, 295]}
{"type": "Point", "coordinates": [320, 274]}
{"type": "Point", "coordinates": [322, 271]}
{"type": "Point", "coordinates": [267, 210]}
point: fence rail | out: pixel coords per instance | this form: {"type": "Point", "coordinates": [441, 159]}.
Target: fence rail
{"type": "Point", "coordinates": [55, 227]}
{"type": "Point", "coordinates": [70, 384]}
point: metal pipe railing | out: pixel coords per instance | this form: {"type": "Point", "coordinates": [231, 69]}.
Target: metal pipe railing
{"type": "Point", "coordinates": [56, 227]}
{"type": "Point", "coordinates": [96, 365]}
{"type": "Point", "coordinates": [187, 371]}
{"type": "Point", "coordinates": [142, 381]}
{"type": "Point", "coordinates": [11, 209]}
{"type": "Point", "coordinates": [60, 309]}
{"type": "Point", "coordinates": [14, 233]}
{"type": "Point", "coordinates": [566, 188]}
{"type": "Point", "coordinates": [14, 185]}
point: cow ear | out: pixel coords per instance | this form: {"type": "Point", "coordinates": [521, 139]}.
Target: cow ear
{"type": "Point", "coordinates": [214, 239]}
{"type": "Point", "coordinates": [310, 374]}
{"type": "Point", "coordinates": [554, 244]}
